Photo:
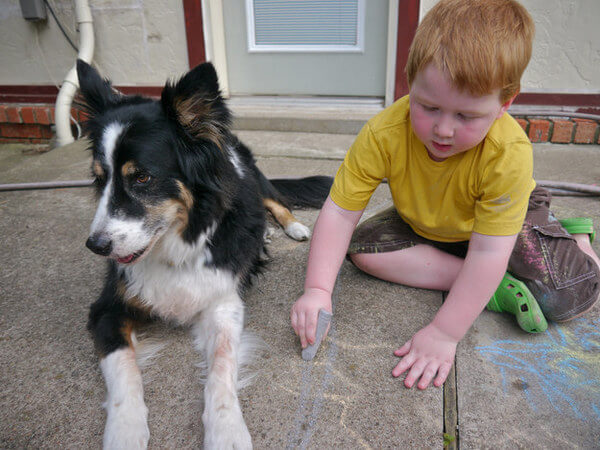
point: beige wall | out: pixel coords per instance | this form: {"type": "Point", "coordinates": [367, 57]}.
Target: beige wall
{"type": "Point", "coordinates": [137, 42]}
{"type": "Point", "coordinates": [142, 42]}
{"type": "Point", "coordinates": [566, 50]}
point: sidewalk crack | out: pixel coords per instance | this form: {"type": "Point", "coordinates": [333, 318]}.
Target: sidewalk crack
{"type": "Point", "coordinates": [450, 401]}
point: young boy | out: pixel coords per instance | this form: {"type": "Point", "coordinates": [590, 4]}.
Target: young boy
{"type": "Point", "coordinates": [465, 205]}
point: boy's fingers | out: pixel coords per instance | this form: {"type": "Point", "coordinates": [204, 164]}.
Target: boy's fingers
{"type": "Point", "coordinates": [311, 327]}
{"type": "Point", "coordinates": [301, 329]}
{"type": "Point", "coordinates": [321, 327]}
{"type": "Point", "coordinates": [413, 375]}
{"type": "Point", "coordinates": [428, 374]}
{"type": "Point", "coordinates": [403, 365]}
{"type": "Point", "coordinates": [443, 372]}
{"type": "Point", "coordinates": [294, 320]}
{"type": "Point", "coordinates": [403, 350]}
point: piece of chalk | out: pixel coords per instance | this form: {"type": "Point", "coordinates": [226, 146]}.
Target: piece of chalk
{"type": "Point", "coordinates": [322, 321]}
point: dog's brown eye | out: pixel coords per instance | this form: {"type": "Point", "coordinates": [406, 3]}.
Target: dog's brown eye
{"type": "Point", "coordinates": [142, 178]}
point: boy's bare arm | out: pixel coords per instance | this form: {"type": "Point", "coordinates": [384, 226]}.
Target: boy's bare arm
{"type": "Point", "coordinates": [484, 267]}
{"type": "Point", "coordinates": [331, 236]}
{"type": "Point", "coordinates": [431, 350]}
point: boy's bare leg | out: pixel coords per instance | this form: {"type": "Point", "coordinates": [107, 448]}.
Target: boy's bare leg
{"type": "Point", "coordinates": [421, 266]}
{"type": "Point", "coordinates": [583, 242]}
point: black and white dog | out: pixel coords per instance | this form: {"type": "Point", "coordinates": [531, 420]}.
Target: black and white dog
{"type": "Point", "coordinates": [181, 219]}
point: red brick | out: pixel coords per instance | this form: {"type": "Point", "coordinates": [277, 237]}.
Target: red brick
{"type": "Point", "coordinates": [585, 131]}
{"type": "Point", "coordinates": [562, 132]}
{"type": "Point", "coordinates": [52, 116]}
{"type": "Point", "coordinates": [524, 123]}
{"type": "Point", "coordinates": [21, 130]}
{"type": "Point", "coordinates": [12, 113]}
{"type": "Point", "coordinates": [14, 140]}
{"type": "Point", "coordinates": [46, 132]}
{"type": "Point", "coordinates": [3, 116]}
{"type": "Point", "coordinates": [539, 129]}
{"type": "Point", "coordinates": [27, 114]}
{"type": "Point", "coordinates": [42, 115]}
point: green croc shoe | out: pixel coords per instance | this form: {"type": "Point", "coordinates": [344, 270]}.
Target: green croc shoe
{"type": "Point", "coordinates": [579, 225]}
{"type": "Point", "coordinates": [514, 297]}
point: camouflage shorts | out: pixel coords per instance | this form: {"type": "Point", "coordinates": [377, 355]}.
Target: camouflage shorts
{"type": "Point", "coordinates": [564, 280]}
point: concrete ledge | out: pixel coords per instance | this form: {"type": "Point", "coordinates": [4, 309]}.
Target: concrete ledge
{"type": "Point", "coordinates": [307, 115]}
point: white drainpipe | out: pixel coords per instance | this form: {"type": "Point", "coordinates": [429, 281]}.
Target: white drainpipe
{"type": "Point", "coordinates": [70, 84]}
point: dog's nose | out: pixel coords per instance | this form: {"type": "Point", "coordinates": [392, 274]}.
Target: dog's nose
{"type": "Point", "coordinates": [99, 244]}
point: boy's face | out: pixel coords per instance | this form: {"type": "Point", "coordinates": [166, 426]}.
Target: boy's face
{"type": "Point", "coordinates": [449, 121]}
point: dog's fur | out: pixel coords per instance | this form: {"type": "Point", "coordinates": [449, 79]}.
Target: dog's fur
{"type": "Point", "coordinates": [181, 219]}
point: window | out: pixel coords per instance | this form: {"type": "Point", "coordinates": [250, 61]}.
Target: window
{"type": "Point", "coordinates": [305, 25]}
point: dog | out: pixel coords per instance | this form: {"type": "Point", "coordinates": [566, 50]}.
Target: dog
{"type": "Point", "coordinates": [181, 220]}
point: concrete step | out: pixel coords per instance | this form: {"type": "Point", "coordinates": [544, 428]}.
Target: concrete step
{"type": "Point", "coordinates": [303, 114]}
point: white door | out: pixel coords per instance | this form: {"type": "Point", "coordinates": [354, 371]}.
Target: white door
{"type": "Point", "coordinates": [305, 47]}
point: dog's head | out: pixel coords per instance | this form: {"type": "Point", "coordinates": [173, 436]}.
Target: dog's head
{"type": "Point", "coordinates": [158, 165]}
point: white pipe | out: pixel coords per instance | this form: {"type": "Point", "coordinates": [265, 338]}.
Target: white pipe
{"type": "Point", "coordinates": [70, 84]}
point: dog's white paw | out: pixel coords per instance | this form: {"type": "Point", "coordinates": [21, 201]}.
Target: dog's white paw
{"type": "Point", "coordinates": [126, 427]}
{"type": "Point", "coordinates": [297, 231]}
{"type": "Point", "coordinates": [226, 431]}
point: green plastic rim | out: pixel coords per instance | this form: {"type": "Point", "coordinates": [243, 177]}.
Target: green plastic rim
{"type": "Point", "coordinates": [579, 225]}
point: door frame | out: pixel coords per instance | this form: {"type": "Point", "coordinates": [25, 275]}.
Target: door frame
{"type": "Point", "coordinates": [214, 39]}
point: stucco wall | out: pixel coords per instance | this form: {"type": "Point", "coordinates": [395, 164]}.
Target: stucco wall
{"type": "Point", "coordinates": [137, 42]}
{"type": "Point", "coordinates": [142, 42]}
{"type": "Point", "coordinates": [566, 50]}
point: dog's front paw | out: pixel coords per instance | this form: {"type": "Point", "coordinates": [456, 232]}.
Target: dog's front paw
{"type": "Point", "coordinates": [226, 431]}
{"type": "Point", "coordinates": [126, 427]}
{"type": "Point", "coordinates": [297, 231]}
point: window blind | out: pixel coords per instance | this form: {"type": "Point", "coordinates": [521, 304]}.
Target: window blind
{"type": "Point", "coordinates": [305, 23]}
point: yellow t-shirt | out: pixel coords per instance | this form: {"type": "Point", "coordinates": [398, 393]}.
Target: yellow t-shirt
{"type": "Point", "coordinates": [485, 189]}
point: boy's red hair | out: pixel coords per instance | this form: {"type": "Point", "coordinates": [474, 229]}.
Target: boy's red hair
{"type": "Point", "coordinates": [482, 45]}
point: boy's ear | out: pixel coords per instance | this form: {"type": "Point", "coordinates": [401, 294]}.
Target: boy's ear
{"type": "Point", "coordinates": [506, 105]}
{"type": "Point", "coordinates": [97, 91]}
{"type": "Point", "coordinates": [195, 103]}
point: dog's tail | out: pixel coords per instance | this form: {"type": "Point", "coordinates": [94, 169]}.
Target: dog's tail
{"type": "Point", "coordinates": [309, 192]}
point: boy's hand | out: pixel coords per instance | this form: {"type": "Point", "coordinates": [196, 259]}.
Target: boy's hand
{"type": "Point", "coordinates": [304, 314]}
{"type": "Point", "coordinates": [429, 352]}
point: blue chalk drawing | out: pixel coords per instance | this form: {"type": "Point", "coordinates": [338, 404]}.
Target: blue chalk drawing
{"type": "Point", "coordinates": [561, 369]}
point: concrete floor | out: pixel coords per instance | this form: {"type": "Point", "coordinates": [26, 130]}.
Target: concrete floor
{"type": "Point", "coordinates": [508, 390]}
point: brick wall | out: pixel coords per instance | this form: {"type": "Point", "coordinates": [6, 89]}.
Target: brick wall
{"type": "Point", "coordinates": [30, 123]}
{"type": "Point", "coordinates": [561, 130]}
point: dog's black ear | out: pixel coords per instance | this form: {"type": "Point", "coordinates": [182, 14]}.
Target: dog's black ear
{"type": "Point", "coordinates": [201, 79]}
{"type": "Point", "coordinates": [97, 92]}
{"type": "Point", "coordinates": [195, 103]}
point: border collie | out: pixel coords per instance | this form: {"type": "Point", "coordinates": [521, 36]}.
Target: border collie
{"type": "Point", "coordinates": [181, 219]}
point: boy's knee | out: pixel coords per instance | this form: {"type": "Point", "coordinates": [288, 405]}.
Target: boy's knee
{"type": "Point", "coordinates": [356, 259]}
{"type": "Point", "coordinates": [562, 305]}
{"type": "Point", "coordinates": [362, 261]}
